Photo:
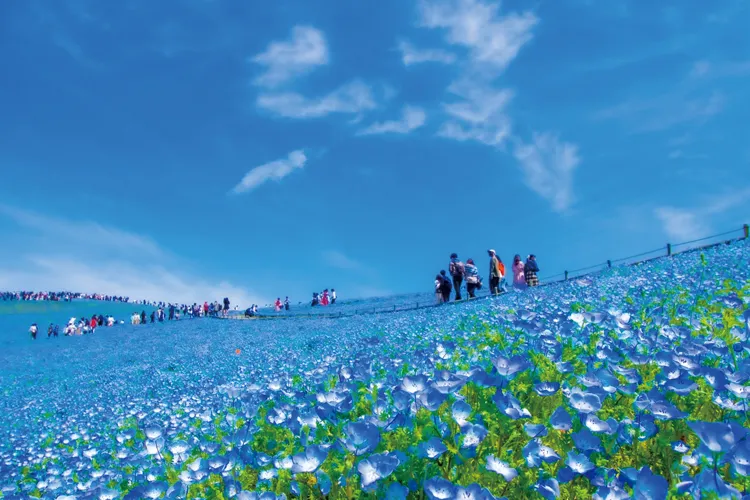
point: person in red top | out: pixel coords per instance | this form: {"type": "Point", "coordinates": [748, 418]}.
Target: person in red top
{"type": "Point", "coordinates": [324, 299]}
{"type": "Point", "coordinates": [93, 323]}
{"type": "Point", "coordinates": [205, 308]}
{"type": "Point", "coordinates": [277, 304]}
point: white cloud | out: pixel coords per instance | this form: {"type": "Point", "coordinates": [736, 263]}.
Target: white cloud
{"type": "Point", "coordinates": [412, 55]}
{"type": "Point", "coordinates": [52, 253]}
{"type": "Point", "coordinates": [548, 167]}
{"type": "Point", "coordinates": [275, 170]}
{"type": "Point", "coordinates": [337, 259]}
{"type": "Point", "coordinates": [686, 224]}
{"type": "Point", "coordinates": [493, 40]}
{"type": "Point", "coordinates": [351, 98]}
{"type": "Point", "coordinates": [719, 69]}
{"type": "Point", "coordinates": [285, 60]}
{"type": "Point", "coordinates": [479, 116]}
{"type": "Point", "coordinates": [665, 111]}
{"type": "Point", "coordinates": [679, 224]}
{"type": "Point", "coordinates": [412, 118]}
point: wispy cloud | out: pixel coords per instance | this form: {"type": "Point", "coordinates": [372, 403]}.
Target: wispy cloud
{"type": "Point", "coordinates": [273, 171]}
{"type": "Point", "coordinates": [411, 118]}
{"type": "Point", "coordinates": [64, 230]}
{"type": "Point", "coordinates": [304, 51]}
{"type": "Point", "coordinates": [54, 253]}
{"type": "Point", "coordinates": [339, 260]}
{"type": "Point", "coordinates": [721, 69]}
{"type": "Point", "coordinates": [665, 111]}
{"type": "Point", "coordinates": [680, 224]}
{"type": "Point", "coordinates": [548, 166]}
{"type": "Point", "coordinates": [493, 39]}
{"type": "Point", "coordinates": [352, 98]}
{"type": "Point", "coordinates": [686, 224]}
{"type": "Point", "coordinates": [479, 116]}
{"type": "Point", "coordinates": [411, 55]}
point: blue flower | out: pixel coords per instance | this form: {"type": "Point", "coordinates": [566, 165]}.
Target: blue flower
{"type": "Point", "coordinates": [650, 486]}
{"type": "Point", "coordinates": [310, 460]}
{"type": "Point", "coordinates": [502, 468]}
{"type": "Point", "coordinates": [377, 467]}
{"type": "Point", "coordinates": [561, 420]}
{"type": "Point", "coordinates": [361, 437]}
{"type": "Point", "coordinates": [438, 488]}
{"type": "Point", "coordinates": [546, 388]}
{"type": "Point", "coordinates": [432, 449]}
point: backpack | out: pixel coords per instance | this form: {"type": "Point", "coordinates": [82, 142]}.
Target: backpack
{"type": "Point", "coordinates": [457, 268]}
{"type": "Point", "coordinates": [446, 285]}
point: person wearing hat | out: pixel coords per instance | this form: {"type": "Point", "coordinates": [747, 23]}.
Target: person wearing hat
{"type": "Point", "coordinates": [495, 272]}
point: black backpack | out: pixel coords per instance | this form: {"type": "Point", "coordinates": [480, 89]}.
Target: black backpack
{"type": "Point", "coordinates": [446, 286]}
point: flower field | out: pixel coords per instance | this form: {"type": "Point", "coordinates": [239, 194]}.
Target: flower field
{"type": "Point", "coordinates": [633, 384]}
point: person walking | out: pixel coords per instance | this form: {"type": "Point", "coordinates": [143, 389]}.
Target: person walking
{"type": "Point", "coordinates": [519, 279]}
{"type": "Point", "coordinates": [457, 270]}
{"type": "Point", "coordinates": [333, 296]}
{"type": "Point", "coordinates": [439, 289]}
{"type": "Point", "coordinates": [530, 271]}
{"type": "Point", "coordinates": [495, 272]}
{"type": "Point", "coordinates": [447, 286]}
{"type": "Point", "coordinates": [473, 281]}
{"type": "Point", "coordinates": [286, 303]}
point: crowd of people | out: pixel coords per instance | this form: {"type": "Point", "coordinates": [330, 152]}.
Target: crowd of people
{"type": "Point", "coordinates": [525, 274]}
{"type": "Point", "coordinates": [324, 298]}
{"type": "Point", "coordinates": [81, 326]}
{"type": "Point", "coordinates": [59, 296]}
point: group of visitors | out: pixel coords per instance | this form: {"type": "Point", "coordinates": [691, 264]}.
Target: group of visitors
{"type": "Point", "coordinates": [278, 305]}
{"type": "Point", "coordinates": [76, 326]}
{"type": "Point", "coordinates": [324, 298]}
{"type": "Point", "coordinates": [524, 275]}
{"type": "Point", "coordinates": [58, 296]}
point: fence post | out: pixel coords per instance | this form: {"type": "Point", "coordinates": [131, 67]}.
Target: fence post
{"type": "Point", "coordinates": [609, 264]}
{"type": "Point", "coordinates": [746, 228]}
{"type": "Point", "coordinates": [669, 249]}
{"type": "Point", "coordinates": [566, 275]}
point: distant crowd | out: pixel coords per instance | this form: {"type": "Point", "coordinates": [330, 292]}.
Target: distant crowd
{"type": "Point", "coordinates": [59, 296]}
{"type": "Point", "coordinates": [85, 325]}
{"type": "Point", "coordinates": [524, 275]}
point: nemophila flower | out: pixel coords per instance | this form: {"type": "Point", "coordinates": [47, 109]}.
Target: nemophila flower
{"type": "Point", "coordinates": [578, 463]}
{"type": "Point", "coordinates": [438, 488]}
{"type": "Point", "coordinates": [509, 405]}
{"type": "Point", "coordinates": [650, 486]}
{"type": "Point", "coordinates": [396, 491]}
{"type": "Point", "coordinates": [473, 492]}
{"type": "Point", "coordinates": [740, 459]}
{"type": "Point", "coordinates": [546, 388]}
{"type": "Point", "coordinates": [431, 398]}
{"type": "Point", "coordinates": [681, 385]}
{"type": "Point", "coordinates": [586, 441]}
{"type": "Point", "coordinates": [432, 449]}
{"type": "Point", "coordinates": [376, 467]}
{"type": "Point", "coordinates": [361, 437]}
{"type": "Point", "coordinates": [584, 402]}
{"type": "Point", "coordinates": [718, 437]}
{"type": "Point", "coordinates": [549, 488]}
{"type": "Point", "coordinates": [461, 410]}
{"type": "Point", "coordinates": [413, 385]}
{"type": "Point", "coordinates": [595, 424]}
{"type": "Point", "coordinates": [535, 453]}
{"type": "Point", "coordinates": [309, 460]}
{"type": "Point", "coordinates": [447, 382]}
{"type": "Point", "coordinates": [509, 367]}
{"type": "Point", "coordinates": [561, 420]}
{"type": "Point", "coordinates": [500, 467]}
{"type": "Point", "coordinates": [471, 435]}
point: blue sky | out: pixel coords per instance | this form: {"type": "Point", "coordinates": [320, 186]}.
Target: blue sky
{"type": "Point", "coordinates": [183, 150]}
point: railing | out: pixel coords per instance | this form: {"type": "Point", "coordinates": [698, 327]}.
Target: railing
{"type": "Point", "coordinates": [667, 251]}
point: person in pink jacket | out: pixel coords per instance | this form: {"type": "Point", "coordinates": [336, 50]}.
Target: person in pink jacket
{"type": "Point", "coordinates": [519, 279]}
